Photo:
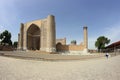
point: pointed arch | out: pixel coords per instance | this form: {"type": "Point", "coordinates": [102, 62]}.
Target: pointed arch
{"type": "Point", "coordinates": [33, 37]}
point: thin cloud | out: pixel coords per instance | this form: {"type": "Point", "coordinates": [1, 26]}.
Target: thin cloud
{"type": "Point", "coordinates": [8, 11]}
{"type": "Point", "coordinates": [91, 42]}
{"type": "Point", "coordinates": [2, 29]}
{"type": "Point", "coordinates": [113, 33]}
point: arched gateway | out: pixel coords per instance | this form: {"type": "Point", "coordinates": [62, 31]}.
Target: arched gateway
{"type": "Point", "coordinates": [38, 35]}
{"type": "Point", "coordinates": [33, 37]}
{"type": "Point", "coordinates": [41, 35]}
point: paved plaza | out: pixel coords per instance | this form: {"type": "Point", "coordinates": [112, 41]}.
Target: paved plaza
{"type": "Point", "coordinates": [92, 69]}
{"type": "Point", "coordinates": [38, 55]}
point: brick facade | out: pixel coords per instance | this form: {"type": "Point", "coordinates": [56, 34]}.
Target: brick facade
{"type": "Point", "coordinates": [61, 47]}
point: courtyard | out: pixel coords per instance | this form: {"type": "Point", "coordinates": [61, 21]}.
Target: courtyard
{"type": "Point", "coordinates": [91, 69]}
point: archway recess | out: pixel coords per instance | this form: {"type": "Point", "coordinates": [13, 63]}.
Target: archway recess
{"type": "Point", "coordinates": [33, 37]}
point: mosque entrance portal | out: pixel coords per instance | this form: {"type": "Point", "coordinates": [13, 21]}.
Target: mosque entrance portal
{"type": "Point", "coordinates": [33, 37]}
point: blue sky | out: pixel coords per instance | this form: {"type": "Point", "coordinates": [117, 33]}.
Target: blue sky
{"type": "Point", "coordinates": [101, 16]}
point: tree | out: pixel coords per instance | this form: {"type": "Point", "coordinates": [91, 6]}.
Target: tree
{"type": "Point", "coordinates": [101, 42]}
{"type": "Point", "coordinates": [73, 42]}
{"type": "Point", "coordinates": [15, 44]}
{"type": "Point", "coordinates": [6, 38]}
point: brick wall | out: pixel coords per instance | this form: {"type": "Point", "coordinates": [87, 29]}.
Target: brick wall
{"type": "Point", "coordinates": [61, 47]}
{"type": "Point", "coordinates": [6, 48]}
{"type": "Point", "coordinates": [62, 41]}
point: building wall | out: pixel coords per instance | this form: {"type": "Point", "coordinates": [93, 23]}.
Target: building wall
{"type": "Point", "coordinates": [47, 34]}
{"type": "Point", "coordinates": [6, 48]}
{"type": "Point", "coordinates": [47, 38]}
{"type": "Point", "coordinates": [61, 47]}
{"type": "Point", "coordinates": [62, 41]}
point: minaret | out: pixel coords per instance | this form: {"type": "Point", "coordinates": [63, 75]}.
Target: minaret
{"type": "Point", "coordinates": [51, 34]}
{"type": "Point", "coordinates": [20, 37]}
{"type": "Point", "coordinates": [19, 43]}
{"type": "Point", "coordinates": [85, 39]}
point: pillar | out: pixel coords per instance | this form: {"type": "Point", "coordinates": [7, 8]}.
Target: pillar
{"type": "Point", "coordinates": [42, 36]}
{"type": "Point", "coordinates": [19, 44]}
{"type": "Point", "coordinates": [24, 40]}
{"type": "Point", "coordinates": [65, 41]}
{"type": "Point", "coordinates": [20, 37]}
{"type": "Point", "coordinates": [51, 34]}
{"type": "Point", "coordinates": [85, 39]}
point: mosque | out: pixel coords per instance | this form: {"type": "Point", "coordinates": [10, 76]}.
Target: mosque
{"type": "Point", "coordinates": [40, 35]}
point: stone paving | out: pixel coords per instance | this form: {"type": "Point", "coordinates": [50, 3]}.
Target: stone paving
{"type": "Point", "coordinates": [92, 69]}
{"type": "Point", "coordinates": [47, 56]}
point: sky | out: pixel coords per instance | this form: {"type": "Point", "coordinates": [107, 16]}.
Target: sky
{"type": "Point", "coordinates": [102, 17]}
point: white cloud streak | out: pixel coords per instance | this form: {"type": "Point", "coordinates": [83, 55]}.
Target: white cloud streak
{"type": "Point", "coordinates": [91, 42]}
{"type": "Point", "coordinates": [113, 32]}
{"type": "Point", "coordinates": [2, 29]}
{"type": "Point", "coordinates": [9, 16]}
{"type": "Point", "coordinates": [8, 11]}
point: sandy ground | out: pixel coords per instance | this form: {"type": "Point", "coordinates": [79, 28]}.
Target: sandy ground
{"type": "Point", "coordinates": [95, 69]}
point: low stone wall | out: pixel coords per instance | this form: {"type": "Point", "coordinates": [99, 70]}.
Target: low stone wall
{"type": "Point", "coordinates": [62, 41]}
{"type": "Point", "coordinates": [6, 48]}
{"type": "Point", "coordinates": [1, 47]}
{"type": "Point", "coordinates": [69, 47]}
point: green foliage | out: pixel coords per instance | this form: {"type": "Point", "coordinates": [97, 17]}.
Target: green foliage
{"type": "Point", "coordinates": [15, 44]}
{"type": "Point", "coordinates": [5, 38]}
{"type": "Point", "coordinates": [73, 41]}
{"type": "Point", "coordinates": [101, 42]}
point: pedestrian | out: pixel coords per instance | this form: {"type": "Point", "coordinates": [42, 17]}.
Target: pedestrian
{"type": "Point", "coordinates": [107, 55]}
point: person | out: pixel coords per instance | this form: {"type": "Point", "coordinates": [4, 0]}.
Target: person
{"type": "Point", "coordinates": [107, 55]}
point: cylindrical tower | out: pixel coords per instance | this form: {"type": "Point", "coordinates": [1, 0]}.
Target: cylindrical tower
{"type": "Point", "coordinates": [20, 37]}
{"type": "Point", "coordinates": [85, 38]}
{"type": "Point", "coordinates": [19, 43]}
{"type": "Point", "coordinates": [24, 38]}
{"type": "Point", "coordinates": [51, 34]}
